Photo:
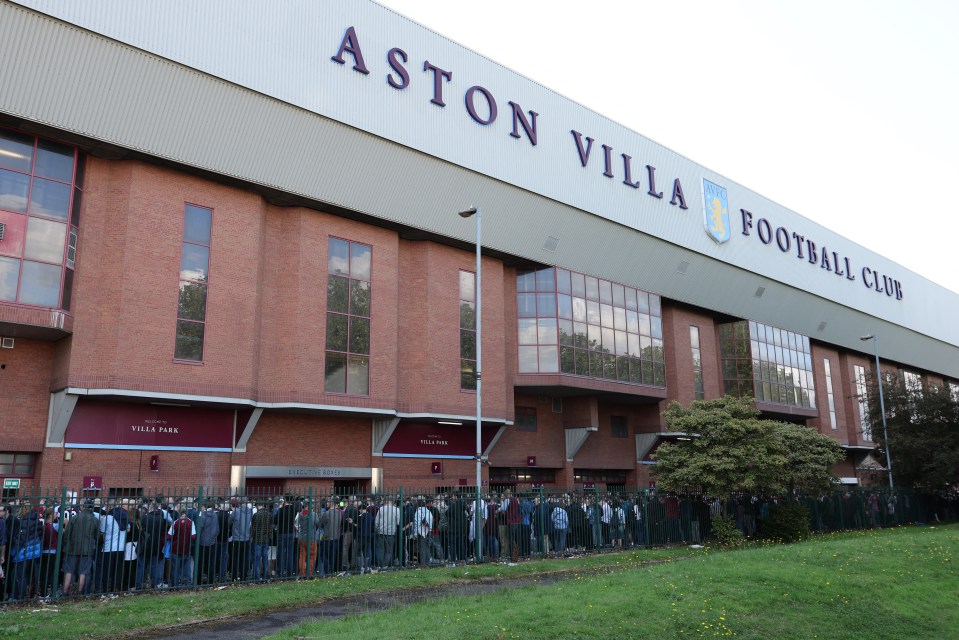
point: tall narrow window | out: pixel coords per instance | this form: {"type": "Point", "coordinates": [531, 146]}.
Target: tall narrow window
{"type": "Point", "coordinates": [467, 330]}
{"type": "Point", "coordinates": [348, 299]}
{"type": "Point", "coordinates": [40, 193]}
{"type": "Point", "coordinates": [697, 363]}
{"type": "Point", "coordinates": [860, 374]}
{"type": "Point", "coordinates": [194, 280]}
{"type": "Point", "coordinates": [829, 396]}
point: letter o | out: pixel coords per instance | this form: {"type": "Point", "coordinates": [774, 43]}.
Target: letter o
{"type": "Point", "coordinates": [781, 233]}
{"type": "Point", "coordinates": [490, 101]}
{"type": "Point", "coordinates": [765, 231]}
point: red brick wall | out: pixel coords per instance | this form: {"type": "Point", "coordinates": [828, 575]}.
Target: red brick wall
{"type": "Point", "coordinates": [679, 359]}
{"type": "Point", "coordinates": [25, 394]}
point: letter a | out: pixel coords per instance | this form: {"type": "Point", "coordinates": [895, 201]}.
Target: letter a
{"type": "Point", "coordinates": [350, 44]}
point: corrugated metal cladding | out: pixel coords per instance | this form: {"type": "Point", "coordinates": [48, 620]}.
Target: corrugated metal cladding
{"type": "Point", "coordinates": [71, 79]}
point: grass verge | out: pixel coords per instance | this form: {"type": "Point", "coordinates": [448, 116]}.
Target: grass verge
{"type": "Point", "coordinates": [890, 584]}
{"type": "Point", "coordinates": [146, 614]}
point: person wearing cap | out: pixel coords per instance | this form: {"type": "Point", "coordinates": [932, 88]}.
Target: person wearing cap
{"type": "Point", "coordinates": [78, 546]}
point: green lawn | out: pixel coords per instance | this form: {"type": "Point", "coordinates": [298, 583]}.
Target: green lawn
{"type": "Point", "coordinates": [896, 583]}
{"type": "Point", "coordinates": [890, 584]}
{"type": "Point", "coordinates": [146, 612]}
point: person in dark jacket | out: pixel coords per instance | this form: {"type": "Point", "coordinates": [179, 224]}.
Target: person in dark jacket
{"type": "Point", "coordinates": [27, 537]}
{"type": "Point", "coordinates": [78, 548]}
{"type": "Point", "coordinates": [283, 519]}
{"type": "Point", "coordinates": [150, 546]}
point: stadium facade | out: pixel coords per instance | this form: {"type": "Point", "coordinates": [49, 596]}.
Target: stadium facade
{"type": "Point", "coordinates": [231, 256]}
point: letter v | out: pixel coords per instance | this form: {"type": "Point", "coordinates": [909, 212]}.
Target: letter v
{"type": "Point", "coordinates": [583, 153]}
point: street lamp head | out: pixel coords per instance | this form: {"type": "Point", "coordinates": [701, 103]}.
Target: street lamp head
{"type": "Point", "coordinates": [468, 212]}
{"type": "Point", "coordinates": [869, 337]}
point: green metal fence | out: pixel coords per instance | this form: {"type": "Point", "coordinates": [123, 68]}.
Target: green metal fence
{"type": "Point", "coordinates": [64, 543]}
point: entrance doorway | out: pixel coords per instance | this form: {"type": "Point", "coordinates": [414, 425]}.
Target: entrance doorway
{"type": "Point", "coordinates": [355, 487]}
{"type": "Point", "coordinates": [265, 489]}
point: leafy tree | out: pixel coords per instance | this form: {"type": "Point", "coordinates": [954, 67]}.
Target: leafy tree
{"type": "Point", "coordinates": [732, 449]}
{"type": "Point", "coordinates": [923, 426]}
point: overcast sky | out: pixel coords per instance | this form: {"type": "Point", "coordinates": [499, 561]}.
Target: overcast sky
{"type": "Point", "coordinates": [846, 112]}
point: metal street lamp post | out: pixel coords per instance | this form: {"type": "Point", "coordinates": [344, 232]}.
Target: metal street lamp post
{"type": "Point", "coordinates": [882, 407]}
{"type": "Point", "coordinates": [477, 514]}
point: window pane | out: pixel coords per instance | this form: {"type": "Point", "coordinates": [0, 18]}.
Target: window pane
{"type": "Point", "coordinates": [40, 284]}
{"type": "Point", "coordinates": [644, 325]}
{"type": "Point", "coordinates": [632, 322]}
{"type": "Point", "coordinates": [525, 280]}
{"type": "Point", "coordinates": [527, 331]}
{"type": "Point", "coordinates": [526, 305]}
{"type": "Point", "coordinates": [578, 284]}
{"type": "Point", "coordinates": [549, 359]}
{"type": "Point", "coordinates": [579, 309]}
{"type": "Point", "coordinates": [9, 274]}
{"type": "Point", "coordinates": [528, 360]}
{"type": "Point", "coordinates": [633, 344]}
{"type": "Point", "coordinates": [562, 281]}
{"type": "Point", "coordinates": [358, 379]}
{"type": "Point", "coordinates": [467, 285]}
{"type": "Point", "coordinates": [579, 335]}
{"type": "Point", "coordinates": [567, 362]}
{"type": "Point", "coordinates": [67, 290]}
{"type": "Point", "coordinates": [359, 335]}
{"type": "Point", "coordinates": [338, 258]}
{"type": "Point", "coordinates": [467, 315]}
{"type": "Point", "coordinates": [619, 295]}
{"type": "Point", "coordinates": [54, 161]}
{"type": "Point", "coordinates": [196, 224]}
{"type": "Point", "coordinates": [657, 327]}
{"type": "Point", "coordinates": [336, 331]}
{"type": "Point", "coordinates": [547, 330]}
{"type": "Point", "coordinates": [622, 368]}
{"type": "Point", "coordinates": [335, 372]}
{"type": "Point", "coordinates": [582, 362]}
{"type": "Point", "coordinates": [16, 150]}
{"type": "Point", "coordinates": [50, 198]}
{"type": "Point", "coordinates": [189, 341]}
{"type": "Point", "coordinates": [609, 340]}
{"type": "Point", "coordinates": [606, 292]}
{"type": "Point", "coordinates": [619, 318]}
{"type": "Point", "coordinates": [75, 207]}
{"type": "Point", "coordinates": [643, 299]}
{"type": "Point", "coordinates": [45, 240]}
{"type": "Point", "coordinates": [592, 312]}
{"type": "Point", "coordinates": [595, 337]}
{"type": "Point", "coordinates": [592, 288]}
{"type": "Point", "coordinates": [468, 375]}
{"type": "Point", "coordinates": [360, 261]}
{"type": "Point", "coordinates": [595, 364]}
{"type": "Point", "coordinates": [546, 304]}
{"type": "Point", "coordinates": [337, 294]}
{"type": "Point", "coordinates": [621, 343]}
{"type": "Point", "coordinates": [635, 370]}
{"type": "Point", "coordinates": [546, 279]}
{"type": "Point", "coordinates": [14, 188]}
{"type": "Point", "coordinates": [655, 308]}
{"type": "Point", "coordinates": [565, 306]}
{"type": "Point", "coordinates": [606, 315]}
{"type": "Point", "coordinates": [359, 298]}
{"type": "Point", "coordinates": [192, 301]}
{"type": "Point", "coordinates": [631, 299]}
{"type": "Point", "coordinates": [195, 263]}
{"type": "Point", "coordinates": [566, 332]}
{"type": "Point", "coordinates": [468, 345]}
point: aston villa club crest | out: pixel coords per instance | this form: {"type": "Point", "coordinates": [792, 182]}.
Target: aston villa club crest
{"type": "Point", "coordinates": [716, 212]}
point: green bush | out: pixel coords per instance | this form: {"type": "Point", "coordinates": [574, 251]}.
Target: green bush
{"type": "Point", "coordinates": [725, 531]}
{"type": "Point", "coordinates": [787, 522]}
